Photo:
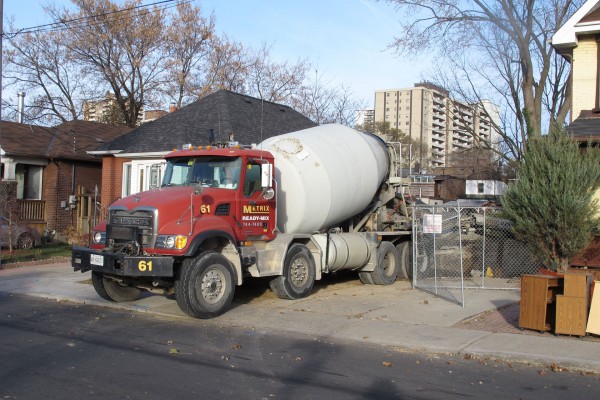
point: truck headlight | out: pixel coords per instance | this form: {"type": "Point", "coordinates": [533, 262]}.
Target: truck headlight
{"type": "Point", "coordinates": [171, 241]}
{"type": "Point", "coordinates": [99, 237]}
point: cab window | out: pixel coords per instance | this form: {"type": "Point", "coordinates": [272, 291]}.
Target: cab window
{"type": "Point", "coordinates": [252, 179]}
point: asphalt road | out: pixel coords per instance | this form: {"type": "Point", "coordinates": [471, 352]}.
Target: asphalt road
{"type": "Point", "coordinates": [56, 350]}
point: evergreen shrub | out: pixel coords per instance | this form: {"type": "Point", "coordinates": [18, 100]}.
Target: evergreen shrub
{"type": "Point", "coordinates": [552, 203]}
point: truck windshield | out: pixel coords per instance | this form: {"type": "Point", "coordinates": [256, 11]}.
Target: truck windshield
{"type": "Point", "coordinates": [221, 172]}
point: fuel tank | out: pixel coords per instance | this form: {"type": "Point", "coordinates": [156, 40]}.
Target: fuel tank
{"type": "Point", "coordinates": [325, 175]}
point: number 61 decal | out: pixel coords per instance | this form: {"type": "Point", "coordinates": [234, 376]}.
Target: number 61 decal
{"type": "Point", "coordinates": [144, 266]}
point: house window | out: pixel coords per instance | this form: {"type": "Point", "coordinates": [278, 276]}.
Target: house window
{"type": "Point", "coordinates": [143, 175]}
{"type": "Point", "coordinates": [155, 176]}
{"type": "Point", "coordinates": [141, 179]}
{"type": "Point", "coordinates": [29, 181]}
{"type": "Point", "coordinates": [126, 180]}
{"type": "Point", "coordinates": [480, 188]}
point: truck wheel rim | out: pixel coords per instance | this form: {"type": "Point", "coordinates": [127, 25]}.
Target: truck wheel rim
{"type": "Point", "coordinates": [212, 286]}
{"type": "Point", "coordinates": [298, 272]}
{"type": "Point", "coordinates": [388, 264]}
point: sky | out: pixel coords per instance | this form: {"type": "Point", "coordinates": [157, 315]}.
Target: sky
{"type": "Point", "coordinates": [344, 40]}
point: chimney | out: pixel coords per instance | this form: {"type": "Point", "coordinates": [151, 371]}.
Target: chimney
{"type": "Point", "coordinates": [172, 108]}
{"type": "Point", "coordinates": [21, 96]}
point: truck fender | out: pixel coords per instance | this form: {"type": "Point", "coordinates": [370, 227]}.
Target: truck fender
{"type": "Point", "coordinates": [226, 247]}
{"type": "Point", "coordinates": [271, 263]}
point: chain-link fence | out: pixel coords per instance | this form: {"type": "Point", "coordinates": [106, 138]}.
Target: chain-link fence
{"type": "Point", "coordinates": [457, 248]}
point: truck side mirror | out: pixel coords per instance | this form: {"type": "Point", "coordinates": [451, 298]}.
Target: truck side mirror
{"type": "Point", "coordinates": [268, 193]}
{"type": "Point", "coordinates": [266, 175]}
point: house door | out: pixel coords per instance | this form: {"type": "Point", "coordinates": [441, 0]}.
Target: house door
{"type": "Point", "coordinates": [88, 210]}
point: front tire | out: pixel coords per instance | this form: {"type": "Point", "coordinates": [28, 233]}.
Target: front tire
{"type": "Point", "coordinates": [112, 290]}
{"type": "Point", "coordinates": [298, 274]}
{"type": "Point", "coordinates": [205, 286]}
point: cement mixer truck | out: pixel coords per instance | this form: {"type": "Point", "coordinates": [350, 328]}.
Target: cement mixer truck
{"type": "Point", "coordinates": [293, 208]}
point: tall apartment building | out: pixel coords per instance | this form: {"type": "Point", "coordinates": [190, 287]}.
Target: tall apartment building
{"type": "Point", "coordinates": [365, 117]}
{"type": "Point", "coordinates": [97, 110]}
{"type": "Point", "coordinates": [430, 117]}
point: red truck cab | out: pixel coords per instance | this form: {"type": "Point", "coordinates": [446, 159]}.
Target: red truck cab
{"type": "Point", "coordinates": [211, 200]}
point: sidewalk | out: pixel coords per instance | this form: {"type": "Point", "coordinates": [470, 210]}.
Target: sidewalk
{"type": "Point", "coordinates": [343, 308]}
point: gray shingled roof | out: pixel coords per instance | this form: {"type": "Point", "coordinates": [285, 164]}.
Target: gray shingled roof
{"type": "Point", "coordinates": [485, 175]}
{"type": "Point", "coordinates": [224, 112]}
{"type": "Point", "coordinates": [586, 127]}
{"type": "Point", "coordinates": [70, 140]}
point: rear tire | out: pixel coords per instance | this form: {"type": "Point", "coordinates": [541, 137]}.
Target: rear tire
{"type": "Point", "coordinates": [205, 286]}
{"type": "Point", "coordinates": [388, 264]}
{"type": "Point", "coordinates": [404, 250]}
{"type": "Point", "coordinates": [298, 274]}
{"type": "Point", "coordinates": [366, 278]}
{"type": "Point", "coordinates": [112, 290]}
{"type": "Point", "coordinates": [421, 265]}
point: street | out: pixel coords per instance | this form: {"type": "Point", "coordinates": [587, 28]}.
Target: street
{"type": "Point", "coordinates": [61, 350]}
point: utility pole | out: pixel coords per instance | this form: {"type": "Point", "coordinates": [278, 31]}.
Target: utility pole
{"type": "Point", "coordinates": [1, 41]}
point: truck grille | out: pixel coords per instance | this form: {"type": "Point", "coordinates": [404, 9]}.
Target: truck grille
{"type": "Point", "coordinates": [126, 226]}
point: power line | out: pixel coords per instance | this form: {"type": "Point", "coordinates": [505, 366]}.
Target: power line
{"type": "Point", "coordinates": [88, 20]}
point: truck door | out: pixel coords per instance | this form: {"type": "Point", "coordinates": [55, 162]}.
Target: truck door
{"type": "Point", "coordinates": [257, 213]}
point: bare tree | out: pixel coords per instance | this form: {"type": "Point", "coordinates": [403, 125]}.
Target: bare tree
{"type": "Point", "coordinates": [345, 105]}
{"type": "Point", "coordinates": [227, 68]}
{"type": "Point", "coordinates": [141, 55]}
{"type": "Point", "coordinates": [508, 50]}
{"type": "Point", "coordinates": [325, 103]}
{"type": "Point", "coordinates": [9, 207]}
{"type": "Point", "coordinates": [120, 45]}
{"type": "Point", "coordinates": [40, 65]}
{"type": "Point", "coordinates": [188, 47]}
{"type": "Point", "coordinates": [272, 81]}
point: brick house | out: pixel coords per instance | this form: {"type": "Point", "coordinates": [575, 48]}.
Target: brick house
{"type": "Point", "coordinates": [52, 175]}
{"type": "Point", "coordinates": [578, 41]}
{"type": "Point", "coordinates": [134, 162]}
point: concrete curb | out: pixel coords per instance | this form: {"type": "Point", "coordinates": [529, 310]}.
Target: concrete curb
{"type": "Point", "coordinates": [393, 315]}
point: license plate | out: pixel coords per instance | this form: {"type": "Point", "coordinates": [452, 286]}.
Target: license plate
{"type": "Point", "coordinates": [96, 259]}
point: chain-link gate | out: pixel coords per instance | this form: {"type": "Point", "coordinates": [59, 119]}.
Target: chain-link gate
{"type": "Point", "coordinates": [457, 248]}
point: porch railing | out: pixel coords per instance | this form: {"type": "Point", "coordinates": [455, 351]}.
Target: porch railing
{"type": "Point", "coordinates": [32, 210]}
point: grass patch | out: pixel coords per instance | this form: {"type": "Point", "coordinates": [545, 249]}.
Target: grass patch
{"type": "Point", "coordinates": [45, 252]}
